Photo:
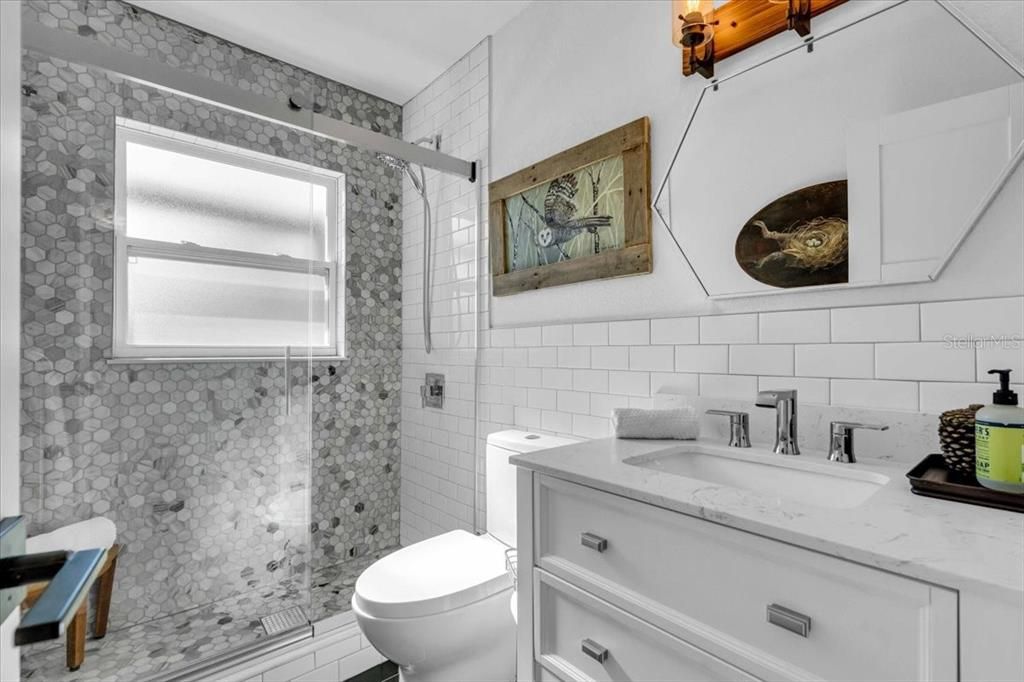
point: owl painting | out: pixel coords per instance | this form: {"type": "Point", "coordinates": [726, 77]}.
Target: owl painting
{"type": "Point", "coordinates": [576, 215]}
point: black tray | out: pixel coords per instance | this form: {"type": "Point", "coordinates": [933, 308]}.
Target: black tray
{"type": "Point", "coordinates": [933, 479]}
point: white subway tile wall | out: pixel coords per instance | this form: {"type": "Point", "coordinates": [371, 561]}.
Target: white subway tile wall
{"type": "Point", "coordinates": [675, 330]}
{"type": "Point", "coordinates": [872, 393]}
{"type": "Point", "coordinates": [702, 358]}
{"type": "Point", "coordinates": [729, 329]}
{"type": "Point", "coordinates": [932, 361]}
{"type": "Point", "coordinates": [768, 359]}
{"type": "Point", "coordinates": [438, 446]}
{"type": "Point", "coordinates": [979, 319]}
{"type": "Point", "coordinates": [794, 326]}
{"type": "Point", "coordinates": [847, 360]}
{"type": "Point", "coordinates": [866, 358]}
{"type": "Point", "coordinates": [876, 323]}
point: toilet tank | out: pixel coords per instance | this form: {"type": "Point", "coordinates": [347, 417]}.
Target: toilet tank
{"type": "Point", "coordinates": [501, 477]}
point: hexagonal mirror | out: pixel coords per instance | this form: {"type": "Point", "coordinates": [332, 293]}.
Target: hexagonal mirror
{"type": "Point", "coordinates": [865, 160]}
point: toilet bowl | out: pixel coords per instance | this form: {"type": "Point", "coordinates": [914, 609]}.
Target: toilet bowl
{"type": "Point", "coordinates": [439, 608]}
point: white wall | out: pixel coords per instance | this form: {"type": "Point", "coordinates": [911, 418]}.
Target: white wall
{"type": "Point", "coordinates": [438, 445]}
{"type": "Point", "coordinates": [562, 74]}
{"type": "Point", "coordinates": [10, 275]}
{"type": "Point", "coordinates": [559, 360]}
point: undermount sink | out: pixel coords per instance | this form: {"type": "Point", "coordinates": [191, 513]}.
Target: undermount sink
{"type": "Point", "coordinates": [821, 484]}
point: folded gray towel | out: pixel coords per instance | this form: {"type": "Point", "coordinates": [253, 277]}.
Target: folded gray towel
{"type": "Point", "coordinates": [680, 423]}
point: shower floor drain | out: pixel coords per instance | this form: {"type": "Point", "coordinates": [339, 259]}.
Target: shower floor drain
{"type": "Point", "coordinates": [283, 621]}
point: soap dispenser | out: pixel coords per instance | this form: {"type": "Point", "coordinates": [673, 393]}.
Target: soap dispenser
{"type": "Point", "coordinates": [999, 440]}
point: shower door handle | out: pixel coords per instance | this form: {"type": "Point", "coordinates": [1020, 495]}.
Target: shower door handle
{"type": "Point", "coordinates": [287, 376]}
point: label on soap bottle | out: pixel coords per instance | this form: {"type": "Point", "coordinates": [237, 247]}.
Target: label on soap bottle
{"type": "Point", "coordinates": [999, 451]}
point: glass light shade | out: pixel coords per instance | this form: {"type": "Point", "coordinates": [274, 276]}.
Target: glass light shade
{"type": "Point", "coordinates": [695, 17]}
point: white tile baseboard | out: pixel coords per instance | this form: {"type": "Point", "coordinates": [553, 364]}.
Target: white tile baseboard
{"type": "Point", "coordinates": [337, 651]}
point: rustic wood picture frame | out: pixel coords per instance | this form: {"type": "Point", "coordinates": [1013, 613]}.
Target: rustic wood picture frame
{"type": "Point", "coordinates": [632, 141]}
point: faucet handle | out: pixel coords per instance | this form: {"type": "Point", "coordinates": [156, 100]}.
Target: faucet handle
{"type": "Point", "coordinates": [849, 426]}
{"type": "Point", "coordinates": [739, 427]}
{"type": "Point", "coordinates": [841, 439]}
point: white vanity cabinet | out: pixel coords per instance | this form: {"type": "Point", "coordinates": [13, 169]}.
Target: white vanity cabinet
{"type": "Point", "coordinates": [617, 589]}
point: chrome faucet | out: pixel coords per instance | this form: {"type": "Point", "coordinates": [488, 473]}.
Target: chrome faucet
{"type": "Point", "coordinates": [739, 427]}
{"type": "Point", "coordinates": [784, 403]}
{"type": "Point", "coordinates": [840, 447]}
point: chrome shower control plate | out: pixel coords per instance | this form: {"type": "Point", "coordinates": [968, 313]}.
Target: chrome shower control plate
{"type": "Point", "coordinates": [432, 391]}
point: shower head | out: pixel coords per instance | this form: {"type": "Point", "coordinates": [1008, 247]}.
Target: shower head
{"type": "Point", "coordinates": [402, 164]}
{"type": "Point", "coordinates": [393, 161]}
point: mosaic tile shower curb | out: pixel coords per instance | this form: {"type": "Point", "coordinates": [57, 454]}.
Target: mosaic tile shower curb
{"type": "Point", "coordinates": [204, 474]}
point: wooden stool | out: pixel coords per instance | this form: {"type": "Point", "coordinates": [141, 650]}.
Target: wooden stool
{"type": "Point", "coordinates": [76, 629]}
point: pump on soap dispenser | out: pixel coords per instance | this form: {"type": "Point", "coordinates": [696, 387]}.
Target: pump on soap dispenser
{"type": "Point", "coordinates": [999, 440]}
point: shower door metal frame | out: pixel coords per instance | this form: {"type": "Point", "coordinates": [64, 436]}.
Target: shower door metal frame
{"type": "Point", "coordinates": [80, 50]}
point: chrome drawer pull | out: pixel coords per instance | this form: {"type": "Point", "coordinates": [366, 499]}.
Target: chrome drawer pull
{"type": "Point", "coordinates": [595, 542]}
{"type": "Point", "coordinates": [595, 650]}
{"type": "Point", "coordinates": [788, 619]}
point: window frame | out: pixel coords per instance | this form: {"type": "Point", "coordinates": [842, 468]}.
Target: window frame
{"type": "Point", "coordinates": [126, 247]}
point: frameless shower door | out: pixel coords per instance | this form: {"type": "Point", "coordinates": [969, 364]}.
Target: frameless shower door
{"type": "Point", "coordinates": [181, 270]}
{"type": "Point", "coordinates": [356, 403]}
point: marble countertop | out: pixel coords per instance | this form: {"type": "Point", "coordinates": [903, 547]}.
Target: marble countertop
{"type": "Point", "coordinates": [955, 545]}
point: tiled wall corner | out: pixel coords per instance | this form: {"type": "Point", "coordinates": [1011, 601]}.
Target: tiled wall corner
{"type": "Point", "coordinates": [439, 446]}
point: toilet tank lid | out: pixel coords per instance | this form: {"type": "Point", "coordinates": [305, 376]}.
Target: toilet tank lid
{"type": "Point", "coordinates": [526, 441]}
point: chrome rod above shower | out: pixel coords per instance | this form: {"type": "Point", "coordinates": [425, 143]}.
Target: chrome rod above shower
{"type": "Point", "coordinates": [80, 50]}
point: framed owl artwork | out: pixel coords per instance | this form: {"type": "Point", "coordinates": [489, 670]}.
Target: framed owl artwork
{"type": "Point", "coordinates": [580, 215]}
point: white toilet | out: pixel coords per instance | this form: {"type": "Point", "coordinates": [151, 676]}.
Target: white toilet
{"type": "Point", "coordinates": [440, 608]}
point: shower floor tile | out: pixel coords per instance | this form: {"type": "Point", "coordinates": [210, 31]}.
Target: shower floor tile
{"type": "Point", "coordinates": [140, 651]}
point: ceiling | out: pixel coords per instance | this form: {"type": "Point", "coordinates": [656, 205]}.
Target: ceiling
{"type": "Point", "coordinates": [391, 49]}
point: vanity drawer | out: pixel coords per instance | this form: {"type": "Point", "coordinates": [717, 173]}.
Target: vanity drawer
{"type": "Point", "coordinates": [712, 586]}
{"type": "Point", "coordinates": [570, 622]}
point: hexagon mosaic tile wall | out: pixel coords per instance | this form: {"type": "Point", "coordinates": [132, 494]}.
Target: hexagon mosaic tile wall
{"type": "Point", "coordinates": [206, 477]}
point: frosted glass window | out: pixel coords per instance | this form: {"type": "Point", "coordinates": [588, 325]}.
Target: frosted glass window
{"type": "Point", "coordinates": [175, 197]}
{"type": "Point", "coordinates": [222, 252]}
{"type": "Point", "coordinates": [172, 303]}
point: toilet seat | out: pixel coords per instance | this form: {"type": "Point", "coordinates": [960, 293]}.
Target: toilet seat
{"type": "Point", "coordinates": [433, 576]}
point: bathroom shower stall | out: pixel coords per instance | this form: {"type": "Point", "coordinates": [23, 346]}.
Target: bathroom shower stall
{"type": "Point", "coordinates": [211, 332]}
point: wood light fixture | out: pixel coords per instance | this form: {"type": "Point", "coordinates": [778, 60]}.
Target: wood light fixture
{"type": "Point", "coordinates": [798, 15]}
{"type": "Point", "coordinates": [693, 29]}
{"type": "Point", "coordinates": [708, 34]}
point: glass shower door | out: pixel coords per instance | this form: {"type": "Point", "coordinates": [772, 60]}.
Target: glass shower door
{"type": "Point", "coordinates": [178, 276]}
